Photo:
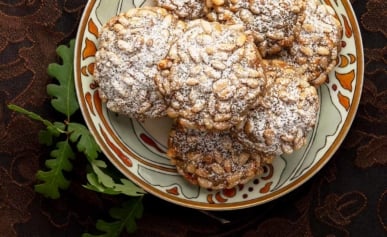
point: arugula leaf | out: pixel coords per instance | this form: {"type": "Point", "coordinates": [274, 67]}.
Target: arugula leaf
{"type": "Point", "coordinates": [54, 128]}
{"type": "Point", "coordinates": [100, 177]}
{"type": "Point", "coordinates": [103, 178]}
{"type": "Point", "coordinates": [125, 219]}
{"type": "Point", "coordinates": [46, 136]}
{"type": "Point", "coordinates": [96, 186]}
{"type": "Point", "coordinates": [85, 141]}
{"type": "Point", "coordinates": [54, 179]}
{"type": "Point", "coordinates": [100, 181]}
{"type": "Point", "coordinates": [64, 97]}
{"type": "Point", "coordinates": [128, 188]}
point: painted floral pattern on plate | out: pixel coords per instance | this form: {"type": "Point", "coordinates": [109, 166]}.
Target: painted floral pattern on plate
{"type": "Point", "coordinates": [138, 149]}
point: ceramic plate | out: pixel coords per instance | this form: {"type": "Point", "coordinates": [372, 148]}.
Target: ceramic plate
{"type": "Point", "coordinates": [138, 149]}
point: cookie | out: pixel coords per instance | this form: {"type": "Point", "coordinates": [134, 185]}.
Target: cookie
{"type": "Point", "coordinates": [213, 159]}
{"type": "Point", "coordinates": [184, 9]}
{"type": "Point", "coordinates": [287, 112]}
{"type": "Point", "coordinates": [130, 46]}
{"type": "Point", "coordinates": [273, 23]}
{"type": "Point", "coordinates": [211, 76]}
{"type": "Point", "coordinates": [317, 46]}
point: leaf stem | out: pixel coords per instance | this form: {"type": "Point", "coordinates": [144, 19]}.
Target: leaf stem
{"type": "Point", "coordinates": [34, 116]}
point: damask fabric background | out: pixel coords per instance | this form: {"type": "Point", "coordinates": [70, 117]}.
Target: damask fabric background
{"type": "Point", "coordinates": [348, 197]}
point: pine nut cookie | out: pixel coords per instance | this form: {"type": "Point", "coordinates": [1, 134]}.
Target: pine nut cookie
{"type": "Point", "coordinates": [273, 23]}
{"type": "Point", "coordinates": [130, 46]}
{"type": "Point", "coordinates": [184, 9]}
{"type": "Point", "coordinates": [211, 76]}
{"type": "Point", "coordinates": [287, 112]}
{"type": "Point", "coordinates": [212, 159]}
{"type": "Point", "coordinates": [318, 44]}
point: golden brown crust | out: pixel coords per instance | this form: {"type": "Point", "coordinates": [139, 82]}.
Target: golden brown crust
{"type": "Point", "coordinates": [184, 9]}
{"type": "Point", "coordinates": [129, 47]}
{"type": "Point", "coordinates": [211, 76]}
{"type": "Point", "coordinates": [287, 112]}
{"type": "Point", "coordinates": [273, 23]}
{"type": "Point", "coordinates": [213, 159]}
{"type": "Point", "coordinates": [233, 111]}
{"type": "Point", "coordinates": [300, 32]}
{"type": "Point", "coordinates": [317, 45]}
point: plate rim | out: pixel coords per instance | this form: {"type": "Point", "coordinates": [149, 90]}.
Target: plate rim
{"type": "Point", "coordinates": [351, 114]}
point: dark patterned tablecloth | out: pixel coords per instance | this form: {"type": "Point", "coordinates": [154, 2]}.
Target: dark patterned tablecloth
{"type": "Point", "coordinates": [348, 197]}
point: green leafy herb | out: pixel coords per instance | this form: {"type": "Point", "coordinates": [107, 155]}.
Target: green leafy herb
{"type": "Point", "coordinates": [64, 97]}
{"type": "Point", "coordinates": [53, 180]}
{"type": "Point", "coordinates": [53, 128]}
{"type": "Point", "coordinates": [62, 136]}
{"type": "Point", "coordinates": [85, 141]}
{"type": "Point", "coordinates": [100, 181]}
{"type": "Point", "coordinates": [47, 136]}
{"type": "Point", "coordinates": [124, 219]}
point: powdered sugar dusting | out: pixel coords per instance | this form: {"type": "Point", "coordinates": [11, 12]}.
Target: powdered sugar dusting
{"type": "Point", "coordinates": [272, 23]}
{"type": "Point", "coordinates": [213, 76]}
{"type": "Point", "coordinates": [287, 113]}
{"type": "Point", "coordinates": [185, 9]}
{"type": "Point", "coordinates": [213, 159]}
{"type": "Point", "coordinates": [317, 46]}
{"type": "Point", "coordinates": [129, 47]}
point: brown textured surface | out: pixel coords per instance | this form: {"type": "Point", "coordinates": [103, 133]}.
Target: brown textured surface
{"type": "Point", "coordinates": [347, 198]}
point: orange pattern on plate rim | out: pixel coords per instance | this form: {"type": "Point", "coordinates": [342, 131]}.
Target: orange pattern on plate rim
{"type": "Point", "coordinates": [348, 33]}
{"type": "Point", "coordinates": [266, 188]}
{"type": "Point", "coordinates": [344, 101]}
{"type": "Point", "coordinates": [347, 27]}
{"type": "Point", "coordinates": [343, 61]}
{"type": "Point", "coordinates": [173, 191]}
{"type": "Point", "coordinates": [352, 58]}
{"type": "Point", "coordinates": [90, 49]}
{"type": "Point", "coordinates": [327, 2]}
{"type": "Point", "coordinates": [219, 198]}
{"type": "Point", "coordinates": [346, 79]}
{"type": "Point", "coordinates": [89, 101]}
{"type": "Point", "coordinates": [84, 71]}
{"type": "Point", "coordinates": [90, 68]}
{"type": "Point", "coordinates": [92, 28]}
{"type": "Point", "coordinates": [116, 150]}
